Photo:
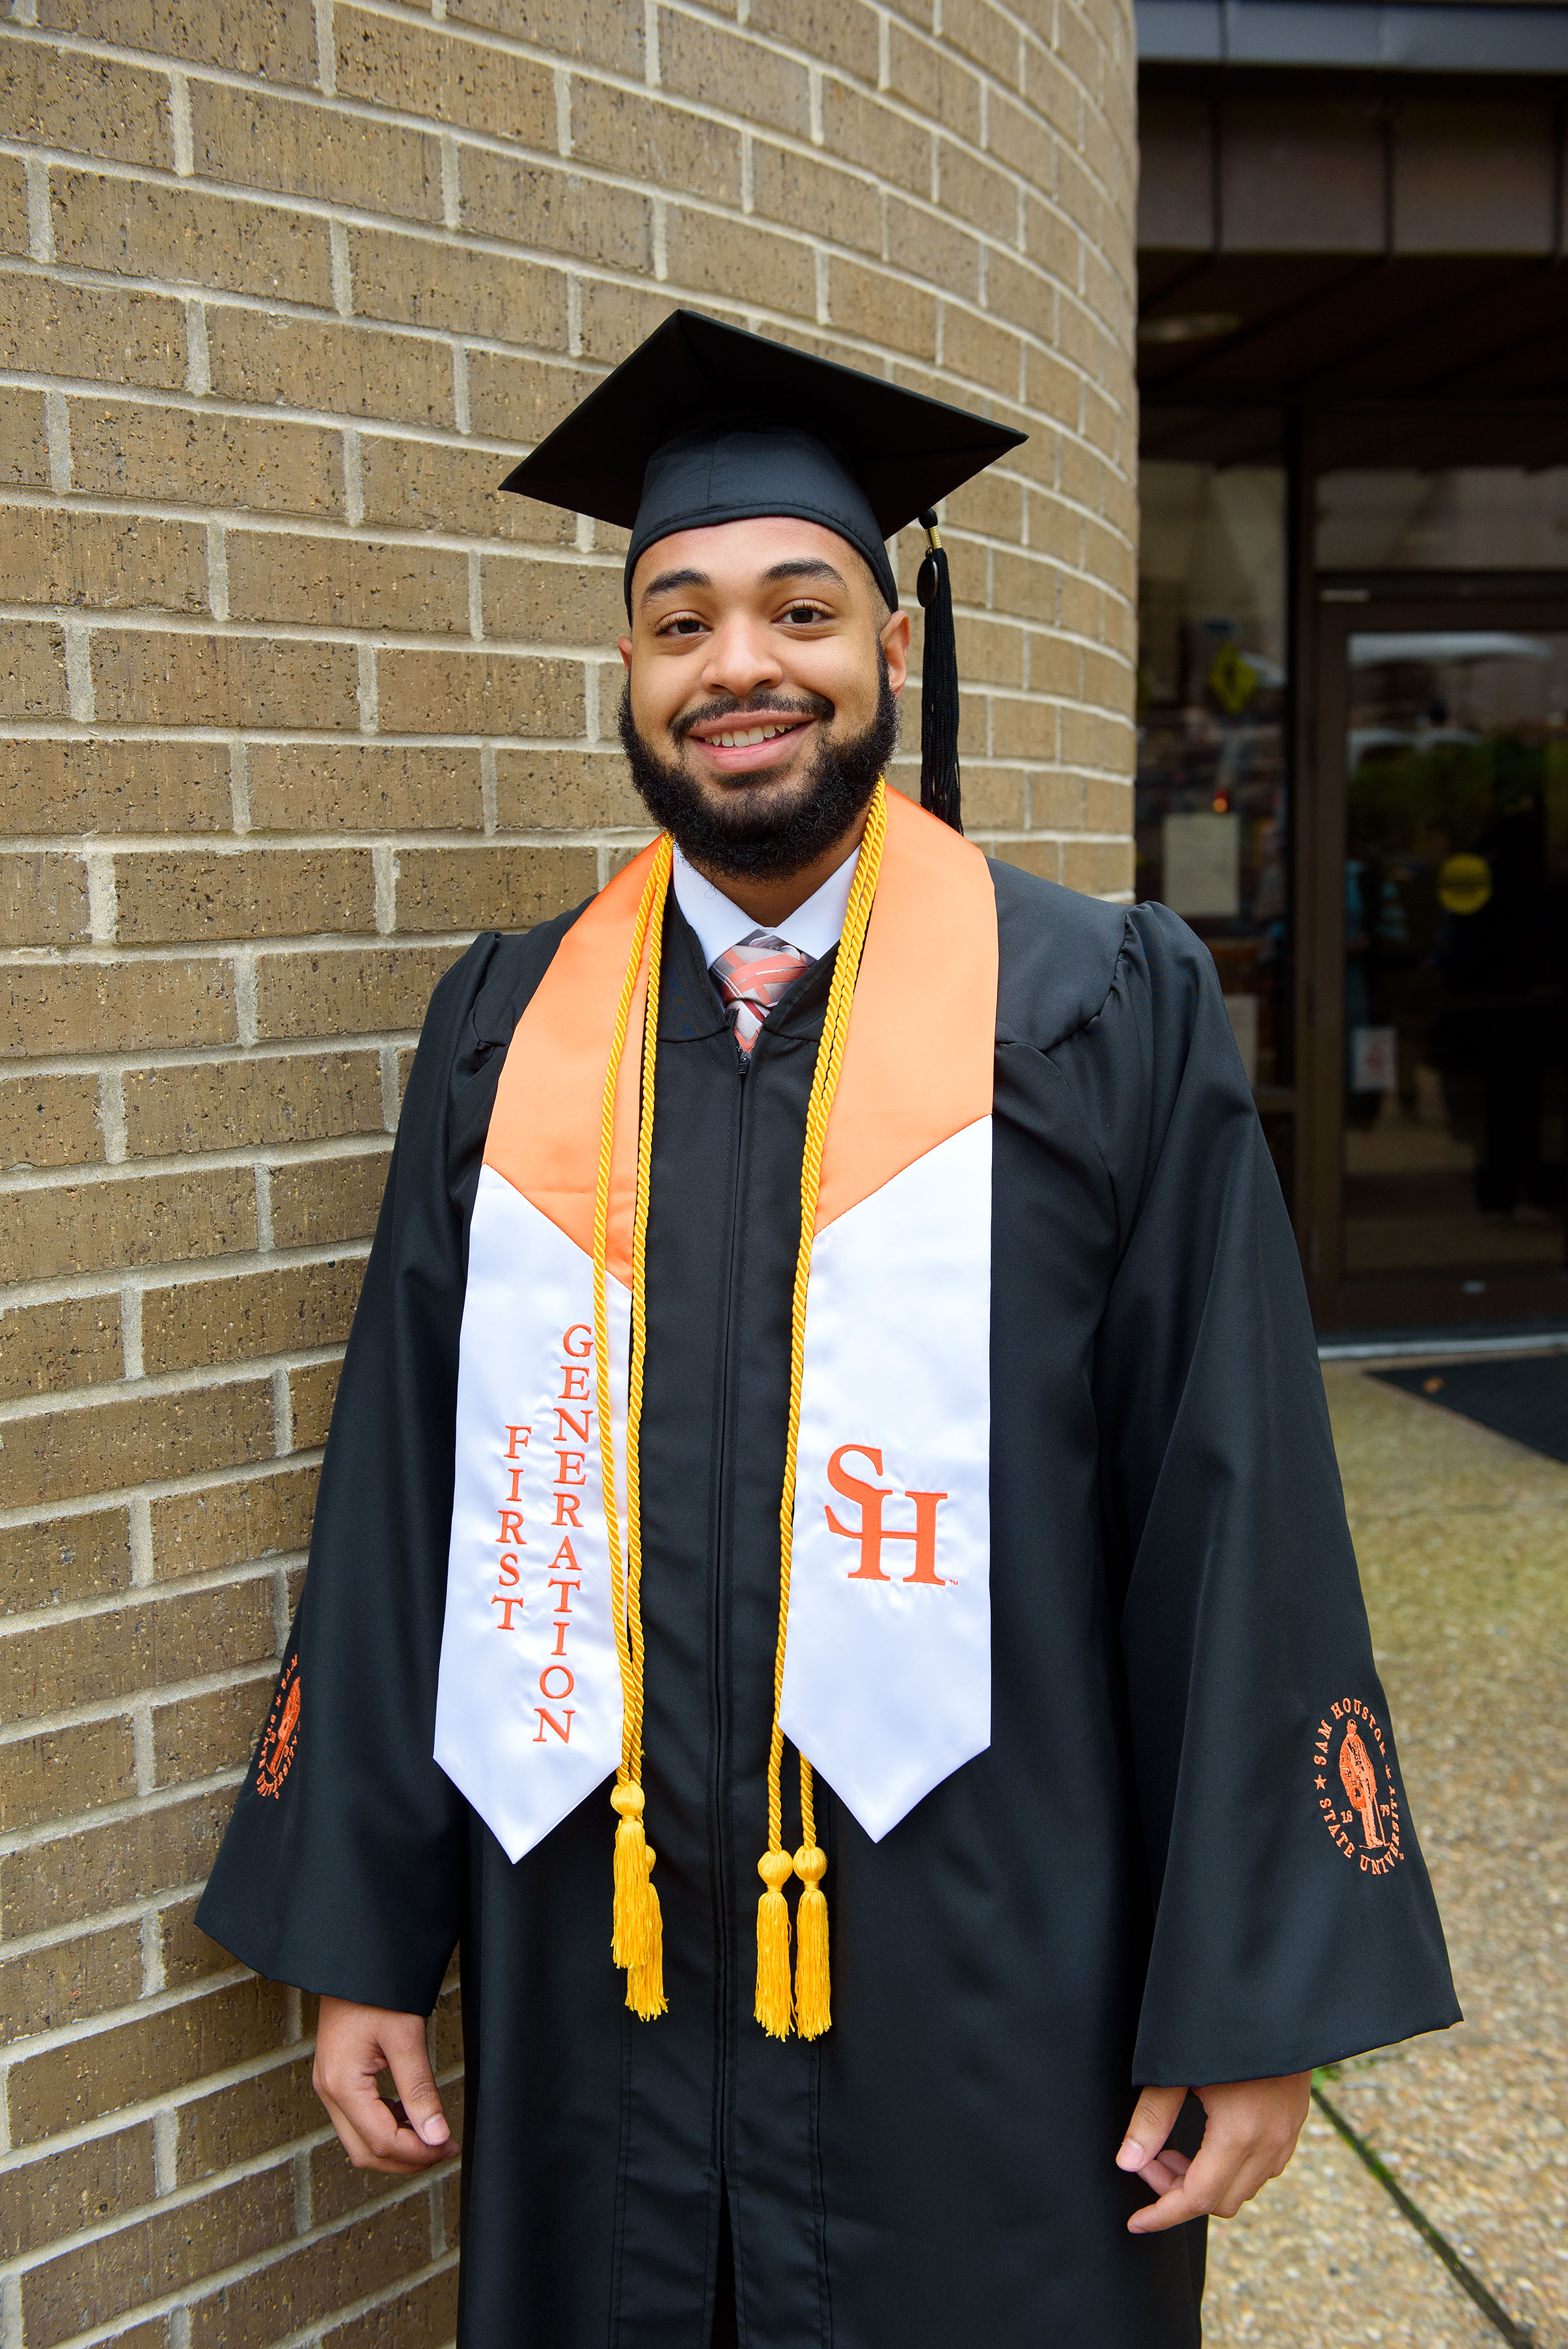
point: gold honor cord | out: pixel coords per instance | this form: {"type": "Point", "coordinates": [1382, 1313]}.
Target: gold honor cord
{"type": "Point", "coordinates": [813, 2010]}
{"type": "Point", "coordinates": [636, 1937]}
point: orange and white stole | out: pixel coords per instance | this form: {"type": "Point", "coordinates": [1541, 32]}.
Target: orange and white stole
{"type": "Point", "coordinates": [883, 1667]}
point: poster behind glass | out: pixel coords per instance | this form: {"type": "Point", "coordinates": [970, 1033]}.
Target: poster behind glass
{"type": "Point", "coordinates": [1212, 819]}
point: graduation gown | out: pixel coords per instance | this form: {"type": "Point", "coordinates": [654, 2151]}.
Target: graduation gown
{"type": "Point", "coordinates": [1138, 1882]}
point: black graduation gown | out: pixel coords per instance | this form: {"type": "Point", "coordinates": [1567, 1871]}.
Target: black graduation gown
{"type": "Point", "coordinates": [1138, 1882]}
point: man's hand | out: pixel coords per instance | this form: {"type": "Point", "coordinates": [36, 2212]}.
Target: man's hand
{"type": "Point", "coordinates": [1250, 2136]}
{"type": "Point", "coordinates": [353, 2044]}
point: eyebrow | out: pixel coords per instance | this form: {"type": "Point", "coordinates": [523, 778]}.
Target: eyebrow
{"type": "Point", "coordinates": [806, 567]}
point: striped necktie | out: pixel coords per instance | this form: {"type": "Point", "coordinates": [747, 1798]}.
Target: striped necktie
{"type": "Point", "coordinates": [752, 976]}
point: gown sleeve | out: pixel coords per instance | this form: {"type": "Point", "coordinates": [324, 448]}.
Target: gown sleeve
{"type": "Point", "coordinates": [344, 1867]}
{"type": "Point", "coordinates": [1293, 1920]}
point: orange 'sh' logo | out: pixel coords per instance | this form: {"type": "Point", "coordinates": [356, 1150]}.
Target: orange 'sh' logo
{"type": "Point", "coordinates": [871, 1533]}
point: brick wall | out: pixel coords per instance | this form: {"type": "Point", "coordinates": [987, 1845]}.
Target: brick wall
{"type": "Point", "coordinates": [294, 704]}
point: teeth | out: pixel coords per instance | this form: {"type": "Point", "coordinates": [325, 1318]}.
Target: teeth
{"type": "Point", "coordinates": [745, 742]}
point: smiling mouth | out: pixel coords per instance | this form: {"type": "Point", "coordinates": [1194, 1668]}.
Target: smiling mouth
{"type": "Point", "coordinates": [745, 739]}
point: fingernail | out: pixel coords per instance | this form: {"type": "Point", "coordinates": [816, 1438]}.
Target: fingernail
{"type": "Point", "coordinates": [435, 2131]}
{"type": "Point", "coordinates": [1132, 2154]}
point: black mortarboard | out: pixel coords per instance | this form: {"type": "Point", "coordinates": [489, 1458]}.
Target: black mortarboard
{"type": "Point", "coordinates": [706, 424]}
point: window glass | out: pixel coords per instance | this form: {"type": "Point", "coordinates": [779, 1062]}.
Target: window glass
{"type": "Point", "coordinates": [1212, 818]}
{"type": "Point", "coordinates": [1457, 518]}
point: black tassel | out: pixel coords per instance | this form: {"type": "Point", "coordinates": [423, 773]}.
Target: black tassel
{"type": "Point", "coordinates": [939, 684]}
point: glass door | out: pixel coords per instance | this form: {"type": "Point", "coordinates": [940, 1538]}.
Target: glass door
{"type": "Point", "coordinates": [1447, 802]}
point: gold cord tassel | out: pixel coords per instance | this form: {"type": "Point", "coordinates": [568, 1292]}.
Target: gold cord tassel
{"type": "Point", "coordinates": [775, 1867]}
{"type": "Point", "coordinates": [636, 1933]}
{"type": "Point", "coordinates": [813, 1985]}
{"type": "Point", "coordinates": [773, 2007]}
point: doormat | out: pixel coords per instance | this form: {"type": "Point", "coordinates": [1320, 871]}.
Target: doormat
{"type": "Point", "coordinates": [1526, 1398]}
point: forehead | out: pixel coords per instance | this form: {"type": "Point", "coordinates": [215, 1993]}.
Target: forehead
{"type": "Point", "coordinates": [737, 557]}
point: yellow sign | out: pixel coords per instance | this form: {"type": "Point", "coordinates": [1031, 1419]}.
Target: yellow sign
{"type": "Point", "coordinates": [1231, 680]}
{"type": "Point", "coordinates": [1464, 884]}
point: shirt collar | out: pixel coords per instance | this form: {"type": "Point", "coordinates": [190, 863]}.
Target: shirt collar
{"type": "Point", "coordinates": [812, 930]}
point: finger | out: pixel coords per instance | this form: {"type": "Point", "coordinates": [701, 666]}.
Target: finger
{"type": "Point", "coordinates": [1154, 2118]}
{"type": "Point", "coordinates": [369, 2130]}
{"type": "Point", "coordinates": [1172, 2210]}
{"type": "Point", "coordinates": [1164, 2170]}
{"type": "Point", "coordinates": [408, 2060]}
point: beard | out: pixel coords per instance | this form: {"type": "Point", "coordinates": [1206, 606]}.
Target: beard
{"type": "Point", "coordinates": [745, 831]}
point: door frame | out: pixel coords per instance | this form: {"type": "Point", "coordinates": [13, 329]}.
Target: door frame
{"type": "Point", "coordinates": [1344, 604]}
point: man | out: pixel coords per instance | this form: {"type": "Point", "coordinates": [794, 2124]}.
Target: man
{"type": "Point", "coordinates": [834, 1289]}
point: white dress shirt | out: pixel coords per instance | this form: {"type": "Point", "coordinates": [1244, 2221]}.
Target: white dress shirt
{"type": "Point", "coordinates": [814, 928]}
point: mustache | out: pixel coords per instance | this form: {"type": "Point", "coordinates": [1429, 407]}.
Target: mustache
{"type": "Point", "coordinates": [755, 705]}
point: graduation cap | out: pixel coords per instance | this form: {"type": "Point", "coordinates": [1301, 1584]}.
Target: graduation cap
{"type": "Point", "coordinates": [706, 424]}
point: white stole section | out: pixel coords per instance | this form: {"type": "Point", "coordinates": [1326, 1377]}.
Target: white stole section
{"type": "Point", "coordinates": [528, 1709]}
{"type": "Point", "coordinates": [886, 1685]}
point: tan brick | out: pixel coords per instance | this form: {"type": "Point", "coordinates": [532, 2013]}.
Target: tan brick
{"type": "Point", "coordinates": [65, 1557]}
{"type": "Point", "coordinates": [197, 1736]}
{"type": "Point", "coordinates": [140, 228]}
{"type": "Point", "coordinates": [98, 332]}
{"type": "Point", "coordinates": [1056, 800]}
{"type": "Point", "coordinates": [702, 61]}
{"type": "Point", "coordinates": [114, 1224]}
{"type": "Point", "coordinates": [114, 1007]}
{"type": "Point", "coordinates": [311, 1394]}
{"type": "Point", "coordinates": [428, 71]}
{"type": "Point", "coordinates": [347, 370]}
{"type": "Point", "coordinates": [1041, 857]}
{"type": "Point", "coordinates": [58, 1774]}
{"type": "Point", "coordinates": [365, 787]}
{"type": "Point", "coordinates": [416, 283]}
{"type": "Point", "coordinates": [93, 1658]}
{"type": "Point", "coordinates": [120, 448]}
{"type": "Point", "coordinates": [841, 33]}
{"type": "Point", "coordinates": [281, 1311]}
{"type": "Point", "coordinates": [146, 2057]}
{"type": "Point", "coordinates": [424, 2318]}
{"type": "Point", "coordinates": [42, 899]}
{"type": "Point", "coordinates": [559, 210]}
{"type": "Point", "coordinates": [989, 355]}
{"type": "Point", "coordinates": [62, 1455]}
{"type": "Point", "coordinates": [648, 138]}
{"type": "Point", "coordinates": [552, 603]}
{"type": "Point", "coordinates": [308, 2284]}
{"type": "Point", "coordinates": [23, 435]}
{"type": "Point", "coordinates": [47, 1349]}
{"type": "Point", "coordinates": [511, 398]}
{"type": "Point", "coordinates": [65, 2193]}
{"type": "Point", "coordinates": [597, 36]}
{"type": "Point", "coordinates": [478, 693]}
{"type": "Point", "coordinates": [33, 680]}
{"type": "Point", "coordinates": [977, 191]}
{"type": "Point", "coordinates": [257, 141]}
{"type": "Point", "coordinates": [995, 799]}
{"type": "Point", "coordinates": [980, 31]}
{"type": "Point", "coordinates": [66, 1982]}
{"type": "Point", "coordinates": [236, 2124]}
{"type": "Point", "coordinates": [88, 106]}
{"type": "Point", "coordinates": [13, 232]}
{"type": "Point", "coordinates": [121, 2271]}
{"type": "Point", "coordinates": [153, 677]}
{"type": "Point", "coordinates": [55, 1883]}
{"type": "Point", "coordinates": [318, 1201]}
{"type": "Point", "coordinates": [926, 78]}
{"type": "Point", "coordinates": [926, 245]}
{"type": "Point", "coordinates": [426, 485]}
{"type": "Point", "coordinates": [279, 44]}
{"type": "Point", "coordinates": [53, 557]}
{"type": "Point", "coordinates": [883, 308]}
{"type": "Point", "coordinates": [347, 992]}
{"type": "Point", "coordinates": [338, 2191]}
{"type": "Point", "coordinates": [860, 129]}
{"type": "Point", "coordinates": [1016, 136]}
{"type": "Point", "coordinates": [819, 198]}
{"type": "Point", "coordinates": [1100, 868]}
{"type": "Point", "coordinates": [243, 894]}
{"type": "Point", "coordinates": [221, 1105]}
{"type": "Point", "coordinates": [489, 888]}
{"type": "Point", "coordinates": [108, 787]}
{"type": "Point", "coordinates": [1023, 728]}
{"type": "Point", "coordinates": [615, 318]}
{"type": "Point", "coordinates": [187, 1954]}
{"type": "Point", "coordinates": [712, 255]}
{"type": "Point", "coordinates": [230, 1524]}
{"type": "Point", "coordinates": [345, 583]}
{"type": "Point", "coordinates": [563, 790]}
{"type": "Point", "coordinates": [1107, 804]}
{"type": "Point", "coordinates": [1052, 91]}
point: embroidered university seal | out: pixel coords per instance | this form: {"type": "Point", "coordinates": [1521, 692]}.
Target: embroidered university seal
{"type": "Point", "coordinates": [1353, 1784]}
{"type": "Point", "coordinates": [282, 1733]}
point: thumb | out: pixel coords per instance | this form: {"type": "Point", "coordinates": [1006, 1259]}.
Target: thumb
{"type": "Point", "coordinates": [409, 2066]}
{"type": "Point", "coordinates": [1154, 2118]}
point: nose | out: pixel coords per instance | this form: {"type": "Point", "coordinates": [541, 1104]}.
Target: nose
{"type": "Point", "coordinates": [741, 658]}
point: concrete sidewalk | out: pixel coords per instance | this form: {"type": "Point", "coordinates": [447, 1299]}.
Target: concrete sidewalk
{"type": "Point", "coordinates": [1463, 1543]}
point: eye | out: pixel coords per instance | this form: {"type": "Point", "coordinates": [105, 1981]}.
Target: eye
{"type": "Point", "coordinates": [804, 614]}
{"type": "Point", "coordinates": [680, 623]}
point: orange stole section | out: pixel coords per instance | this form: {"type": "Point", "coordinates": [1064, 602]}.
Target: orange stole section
{"type": "Point", "coordinates": [544, 1128]}
{"type": "Point", "coordinates": [919, 1058]}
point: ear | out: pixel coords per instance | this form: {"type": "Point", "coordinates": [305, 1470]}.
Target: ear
{"type": "Point", "coordinates": [894, 637]}
{"type": "Point", "coordinates": [623, 647]}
